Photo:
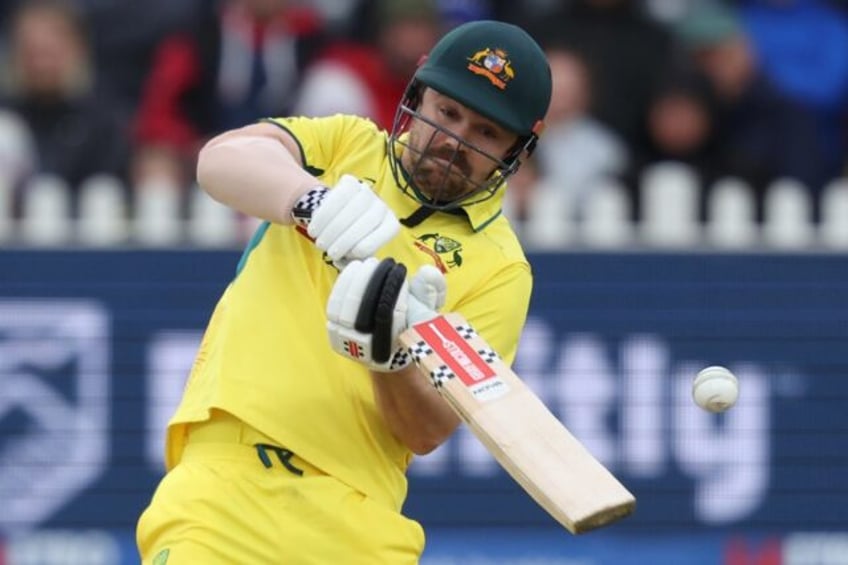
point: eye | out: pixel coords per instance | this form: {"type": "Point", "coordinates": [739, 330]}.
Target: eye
{"type": "Point", "coordinates": [447, 112]}
{"type": "Point", "coordinates": [488, 132]}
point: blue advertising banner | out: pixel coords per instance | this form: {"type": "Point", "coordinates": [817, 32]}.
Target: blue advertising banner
{"type": "Point", "coordinates": [500, 546]}
{"type": "Point", "coordinates": [612, 345]}
{"type": "Point", "coordinates": [95, 347]}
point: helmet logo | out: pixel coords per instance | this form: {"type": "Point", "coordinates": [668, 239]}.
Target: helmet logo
{"type": "Point", "coordinates": [494, 64]}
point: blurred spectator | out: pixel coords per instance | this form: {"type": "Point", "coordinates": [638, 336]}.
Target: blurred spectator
{"type": "Point", "coordinates": [578, 150]}
{"type": "Point", "coordinates": [123, 39]}
{"type": "Point", "coordinates": [625, 50]}
{"type": "Point", "coordinates": [668, 12]}
{"type": "Point", "coordinates": [802, 46]}
{"type": "Point", "coordinates": [764, 135]}
{"type": "Point", "coordinates": [681, 126]}
{"type": "Point", "coordinates": [339, 15]}
{"type": "Point", "coordinates": [18, 155]}
{"type": "Point", "coordinates": [368, 78]}
{"type": "Point", "coordinates": [6, 12]}
{"type": "Point", "coordinates": [241, 62]}
{"type": "Point", "coordinates": [49, 85]}
{"type": "Point", "coordinates": [456, 12]}
{"type": "Point", "coordinates": [523, 191]}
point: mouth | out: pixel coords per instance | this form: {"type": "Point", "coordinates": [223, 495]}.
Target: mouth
{"type": "Point", "coordinates": [449, 165]}
{"type": "Point", "coordinates": [441, 161]}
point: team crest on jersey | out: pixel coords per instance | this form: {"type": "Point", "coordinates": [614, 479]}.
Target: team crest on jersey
{"type": "Point", "coordinates": [446, 252]}
{"type": "Point", "coordinates": [494, 64]}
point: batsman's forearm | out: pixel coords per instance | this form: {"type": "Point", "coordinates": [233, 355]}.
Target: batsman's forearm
{"type": "Point", "coordinates": [415, 413]}
{"type": "Point", "coordinates": [253, 174]}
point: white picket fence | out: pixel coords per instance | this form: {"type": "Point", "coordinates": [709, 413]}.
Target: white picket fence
{"type": "Point", "coordinates": [670, 217]}
{"type": "Point", "coordinates": [104, 219]}
{"type": "Point", "coordinates": [671, 201]}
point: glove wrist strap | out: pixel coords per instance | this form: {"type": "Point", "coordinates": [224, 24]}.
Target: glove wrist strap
{"type": "Point", "coordinates": [307, 204]}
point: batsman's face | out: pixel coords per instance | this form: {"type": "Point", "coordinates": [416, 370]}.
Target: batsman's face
{"type": "Point", "coordinates": [453, 150]}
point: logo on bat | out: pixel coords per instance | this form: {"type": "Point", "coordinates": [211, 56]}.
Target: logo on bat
{"type": "Point", "coordinates": [461, 360]}
{"type": "Point", "coordinates": [494, 64]}
{"type": "Point", "coordinates": [459, 356]}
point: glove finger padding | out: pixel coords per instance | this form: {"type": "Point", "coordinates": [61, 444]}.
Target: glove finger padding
{"type": "Point", "coordinates": [333, 203]}
{"type": "Point", "coordinates": [366, 312]}
{"type": "Point", "coordinates": [346, 297]}
{"type": "Point", "coordinates": [372, 296]}
{"type": "Point", "coordinates": [337, 238]}
{"type": "Point", "coordinates": [360, 233]}
{"type": "Point", "coordinates": [350, 220]}
{"type": "Point", "coordinates": [389, 313]}
{"type": "Point", "coordinates": [427, 293]}
{"type": "Point", "coordinates": [368, 245]}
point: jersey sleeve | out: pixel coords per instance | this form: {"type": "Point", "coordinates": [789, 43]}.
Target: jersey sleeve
{"type": "Point", "coordinates": [498, 311]}
{"type": "Point", "coordinates": [327, 142]}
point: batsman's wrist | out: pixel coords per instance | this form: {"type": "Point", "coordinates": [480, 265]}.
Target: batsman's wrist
{"type": "Point", "coordinates": [306, 205]}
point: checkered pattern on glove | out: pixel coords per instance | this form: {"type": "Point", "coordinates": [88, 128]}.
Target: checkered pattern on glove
{"type": "Point", "coordinates": [306, 204]}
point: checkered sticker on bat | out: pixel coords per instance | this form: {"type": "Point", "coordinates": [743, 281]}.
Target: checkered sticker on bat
{"type": "Point", "coordinates": [400, 359]}
{"type": "Point", "coordinates": [420, 351]}
{"type": "Point", "coordinates": [488, 355]}
{"type": "Point", "coordinates": [441, 375]}
{"type": "Point", "coordinates": [465, 332]}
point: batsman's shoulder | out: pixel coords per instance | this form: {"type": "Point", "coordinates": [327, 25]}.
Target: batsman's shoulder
{"type": "Point", "coordinates": [360, 125]}
{"type": "Point", "coordinates": [501, 236]}
{"type": "Point", "coordinates": [335, 121]}
{"type": "Point", "coordinates": [322, 139]}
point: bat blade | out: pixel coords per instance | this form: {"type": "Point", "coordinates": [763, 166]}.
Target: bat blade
{"type": "Point", "coordinates": [528, 441]}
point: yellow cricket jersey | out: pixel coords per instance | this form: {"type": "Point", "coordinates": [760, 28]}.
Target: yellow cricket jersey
{"type": "Point", "coordinates": [266, 358]}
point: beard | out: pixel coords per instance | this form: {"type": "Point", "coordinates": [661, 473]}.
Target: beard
{"type": "Point", "coordinates": [443, 173]}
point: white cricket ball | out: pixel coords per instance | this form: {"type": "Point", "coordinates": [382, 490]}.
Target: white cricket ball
{"type": "Point", "coordinates": [715, 389]}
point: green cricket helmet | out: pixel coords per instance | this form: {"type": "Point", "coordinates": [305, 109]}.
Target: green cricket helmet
{"type": "Point", "coordinates": [494, 68]}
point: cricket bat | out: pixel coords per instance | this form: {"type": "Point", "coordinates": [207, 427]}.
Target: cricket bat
{"type": "Point", "coordinates": [516, 427]}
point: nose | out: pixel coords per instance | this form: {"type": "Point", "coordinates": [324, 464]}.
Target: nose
{"type": "Point", "coordinates": [453, 137]}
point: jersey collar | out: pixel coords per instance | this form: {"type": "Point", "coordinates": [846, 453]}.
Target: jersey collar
{"type": "Point", "coordinates": [479, 215]}
{"type": "Point", "coordinates": [484, 213]}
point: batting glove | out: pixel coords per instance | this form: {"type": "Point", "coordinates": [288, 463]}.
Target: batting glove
{"type": "Point", "coordinates": [427, 292]}
{"type": "Point", "coordinates": [348, 221]}
{"type": "Point", "coordinates": [372, 303]}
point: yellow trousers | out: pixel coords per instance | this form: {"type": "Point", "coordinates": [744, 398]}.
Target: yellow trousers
{"type": "Point", "coordinates": [229, 502]}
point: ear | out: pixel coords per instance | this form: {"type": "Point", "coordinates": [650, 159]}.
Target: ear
{"type": "Point", "coordinates": [417, 96]}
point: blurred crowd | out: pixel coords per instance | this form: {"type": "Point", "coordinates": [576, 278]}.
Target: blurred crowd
{"type": "Point", "coordinates": [754, 89]}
